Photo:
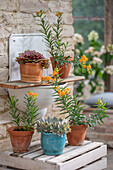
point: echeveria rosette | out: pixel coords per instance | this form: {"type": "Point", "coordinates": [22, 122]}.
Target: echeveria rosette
{"type": "Point", "coordinates": [53, 125]}
{"type": "Point", "coordinates": [32, 57]}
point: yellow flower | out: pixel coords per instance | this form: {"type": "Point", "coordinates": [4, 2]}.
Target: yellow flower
{"type": "Point", "coordinates": [42, 78]}
{"type": "Point", "coordinates": [63, 93]}
{"type": "Point", "coordinates": [38, 12]}
{"type": "Point", "coordinates": [32, 94]}
{"type": "Point", "coordinates": [99, 102]}
{"type": "Point", "coordinates": [67, 90]}
{"type": "Point", "coordinates": [84, 58]}
{"type": "Point", "coordinates": [59, 91]}
{"type": "Point", "coordinates": [88, 67]}
{"type": "Point", "coordinates": [80, 60]}
{"type": "Point", "coordinates": [57, 87]}
{"type": "Point", "coordinates": [48, 78]}
{"type": "Point", "coordinates": [84, 66]}
{"type": "Point", "coordinates": [54, 73]}
{"type": "Point", "coordinates": [35, 94]}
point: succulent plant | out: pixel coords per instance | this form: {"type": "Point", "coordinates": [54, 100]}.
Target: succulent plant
{"type": "Point", "coordinates": [32, 57]}
{"type": "Point", "coordinates": [53, 125]}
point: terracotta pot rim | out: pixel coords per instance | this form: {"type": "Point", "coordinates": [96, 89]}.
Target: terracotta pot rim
{"type": "Point", "coordinates": [31, 63]}
{"type": "Point", "coordinates": [11, 130]}
{"type": "Point", "coordinates": [78, 126]}
{"type": "Point", "coordinates": [64, 57]}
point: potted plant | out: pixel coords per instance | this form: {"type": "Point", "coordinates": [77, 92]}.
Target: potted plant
{"type": "Point", "coordinates": [53, 132]}
{"type": "Point", "coordinates": [21, 134]}
{"type": "Point", "coordinates": [57, 48]}
{"type": "Point", "coordinates": [31, 65]}
{"type": "Point", "coordinates": [73, 107]}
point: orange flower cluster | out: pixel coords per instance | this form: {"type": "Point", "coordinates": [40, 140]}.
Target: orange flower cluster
{"type": "Point", "coordinates": [62, 92]}
{"type": "Point", "coordinates": [59, 13]}
{"type": "Point", "coordinates": [50, 79]}
{"type": "Point", "coordinates": [32, 94]}
{"type": "Point", "coordinates": [37, 12]}
{"type": "Point", "coordinates": [83, 60]}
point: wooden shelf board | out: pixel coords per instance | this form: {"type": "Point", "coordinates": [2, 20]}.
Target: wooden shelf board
{"type": "Point", "coordinates": [18, 84]}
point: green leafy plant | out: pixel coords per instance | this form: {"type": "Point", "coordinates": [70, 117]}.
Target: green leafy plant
{"type": "Point", "coordinates": [24, 120]}
{"type": "Point", "coordinates": [32, 57]}
{"type": "Point", "coordinates": [53, 37]}
{"type": "Point", "coordinates": [53, 125]}
{"type": "Point", "coordinates": [98, 56]}
{"type": "Point", "coordinates": [73, 107]}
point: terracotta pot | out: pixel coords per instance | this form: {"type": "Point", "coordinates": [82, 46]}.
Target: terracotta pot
{"type": "Point", "coordinates": [20, 139]}
{"type": "Point", "coordinates": [77, 135]}
{"type": "Point", "coordinates": [31, 72]}
{"type": "Point", "coordinates": [64, 69]}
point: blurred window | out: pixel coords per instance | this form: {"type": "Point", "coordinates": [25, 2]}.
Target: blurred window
{"type": "Point", "coordinates": [88, 15]}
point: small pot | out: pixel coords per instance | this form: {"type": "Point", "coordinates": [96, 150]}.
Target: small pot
{"type": "Point", "coordinates": [77, 135]}
{"type": "Point", "coordinates": [52, 144]}
{"type": "Point", "coordinates": [64, 69]}
{"type": "Point", "coordinates": [20, 139]}
{"type": "Point", "coordinates": [31, 72]}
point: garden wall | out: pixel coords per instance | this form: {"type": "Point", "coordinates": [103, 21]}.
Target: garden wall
{"type": "Point", "coordinates": [16, 17]}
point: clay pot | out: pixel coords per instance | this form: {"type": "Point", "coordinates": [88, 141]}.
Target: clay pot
{"type": "Point", "coordinates": [77, 135]}
{"type": "Point", "coordinates": [31, 72]}
{"type": "Point", "coordinates": [64, 69]}
{"type": "Point", "coordinates": [20, 139]}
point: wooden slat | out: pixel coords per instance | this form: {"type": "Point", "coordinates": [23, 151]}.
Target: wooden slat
{"type": "Point", "coordinates": [101, 164]}
{"type": "Point", "coordinates": [22, 163]}
{"type": "Point", "coordinates": [80, 150]}
{"type": "Point", "coordinates": [3, 168]}
{"type": "Point", "coordinates": [88, 156]}
{"type": "Point", "coordinates": [66, 149]}
{"type": "Point", "coordinates": [84, 159]}
{"type": "Point", "coordinates": [34, 154]}
{"type": "Point", "coordinates": [19, 84]}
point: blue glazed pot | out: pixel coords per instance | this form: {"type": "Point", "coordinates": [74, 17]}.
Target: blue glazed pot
{"type": "Point", "coordinates": [52, 144]}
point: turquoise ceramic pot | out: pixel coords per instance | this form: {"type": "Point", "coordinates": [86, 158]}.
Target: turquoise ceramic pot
{"type": "Point", "coordinates": [52, 144]}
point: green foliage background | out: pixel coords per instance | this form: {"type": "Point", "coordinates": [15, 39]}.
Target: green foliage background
{"type": "Point", "coordinates": [88, 8]}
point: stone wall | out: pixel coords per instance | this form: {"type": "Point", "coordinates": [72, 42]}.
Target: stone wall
{"type": "Point", "coordinates": [16, 17]}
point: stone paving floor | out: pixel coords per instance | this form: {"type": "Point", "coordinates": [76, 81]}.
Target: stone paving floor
{"type": "Point", "coordinates": [109, 159]}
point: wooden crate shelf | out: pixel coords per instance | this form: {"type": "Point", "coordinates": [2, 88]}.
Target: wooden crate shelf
{"type": "Point", "coordinates": [89, 156]}
{"type": "Point", "coordinates": [19, 84]}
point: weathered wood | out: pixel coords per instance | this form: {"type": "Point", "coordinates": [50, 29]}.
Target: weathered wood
{"type": "Point", "coordinates": [5, 168]}
{"type": "Point", "coordinates": [19, 84]}
{"type": "Point", "coordinates": [73, 157]}
{"type": "Point", "coordinates": [17, 162]}
{"type": "Point", "coordinates": [84, 159]}
{"type": "Point", "coordinates": [75, 152]}
{"type": "Point", "coordinates": [101, 164]}
{"type": "Point", "coordinates": [108, 36]}
{"type": "Point", "coordinates": [66, 150]}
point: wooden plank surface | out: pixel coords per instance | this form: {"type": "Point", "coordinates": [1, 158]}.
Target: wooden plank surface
{"type": "Point", "coordinates": [75, 152]}
{"type": "Point", "coordinates": [25, 164]}
{"type": "Point", "coordinates": [73, 157]}
{"type": "Point", "coordinates": [84, 159]}
{"type": "Point", "coordinates": [67, 149]}
{"type": "Point", "coordinates": [19, 84]}
{"type": "Point", "coordinates": [101, 164]}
